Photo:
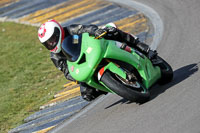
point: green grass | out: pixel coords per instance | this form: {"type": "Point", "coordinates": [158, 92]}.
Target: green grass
{"type": "Point", "coordinates": [28, 77]}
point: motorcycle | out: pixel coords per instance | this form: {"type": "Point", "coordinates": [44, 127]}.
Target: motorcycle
{"type": "Point", "coordinates": [101, 64]}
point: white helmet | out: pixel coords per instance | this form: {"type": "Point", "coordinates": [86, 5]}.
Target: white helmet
{"type": "Point", "coordinates": [51, 35]}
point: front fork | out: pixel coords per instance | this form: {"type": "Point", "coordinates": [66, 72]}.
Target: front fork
{"type": "Point", "coordinates": [114, 69]}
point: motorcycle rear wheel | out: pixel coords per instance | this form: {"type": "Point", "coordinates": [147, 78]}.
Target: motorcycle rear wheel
{"type": "Point", "coordinates": [166, 72]}
{"type": "Point", "coordinates": [135, 94]}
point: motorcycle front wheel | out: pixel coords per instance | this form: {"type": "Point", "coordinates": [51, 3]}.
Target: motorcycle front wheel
{"type": "Point", "coordinates": [134, 92]}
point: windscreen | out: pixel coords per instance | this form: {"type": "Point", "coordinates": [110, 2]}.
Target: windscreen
{"type": "Point", "coordinates": [71, 47]}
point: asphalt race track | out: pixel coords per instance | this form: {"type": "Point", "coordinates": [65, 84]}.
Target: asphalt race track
{"type": "Point", "coordinates": [173, 108]}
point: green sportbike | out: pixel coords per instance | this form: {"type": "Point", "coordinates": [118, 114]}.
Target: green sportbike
{"type": "Point", "coordinates": [101, 64]}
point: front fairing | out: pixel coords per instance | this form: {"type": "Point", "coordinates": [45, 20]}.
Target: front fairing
{"type": "Point", "coordinates": [91, 54]}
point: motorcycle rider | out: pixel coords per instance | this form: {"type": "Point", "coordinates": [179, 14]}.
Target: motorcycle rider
{"type": "Point", "coordinates": [51, 34]}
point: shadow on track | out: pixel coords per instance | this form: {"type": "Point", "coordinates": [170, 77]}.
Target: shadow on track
{"type": "Point", "coordinates": [179, 75]}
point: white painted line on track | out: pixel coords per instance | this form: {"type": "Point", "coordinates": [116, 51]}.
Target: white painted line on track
{"type": "Point", "coordinates": [89, 107]}
{"type": "Point", "coordinates": [151, 14]}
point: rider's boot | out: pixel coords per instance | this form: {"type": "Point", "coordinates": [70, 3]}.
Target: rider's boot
{"type": "Point", "coordinates": [150, 54]}
{"type": "Point", "coordinates": [145, 49]}
{"type": "Point", "coordinates": [88, 93]}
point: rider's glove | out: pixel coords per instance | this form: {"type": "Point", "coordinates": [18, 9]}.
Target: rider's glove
{"type": "Point", "coordinates": [111, 30]}
{"type": "Point", "coordinates": [99, 32]}
{"type": "Point", "coordinates": [108, 31]}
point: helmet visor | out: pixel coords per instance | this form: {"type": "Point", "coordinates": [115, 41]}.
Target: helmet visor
{"type": "Point", "coordinates": [52, 42]}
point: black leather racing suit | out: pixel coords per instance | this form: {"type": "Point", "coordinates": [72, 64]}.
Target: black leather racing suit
{"type": "Point", "coordinates": [59, 60]}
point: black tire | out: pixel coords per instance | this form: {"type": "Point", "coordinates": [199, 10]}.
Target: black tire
{"type": "Point", "coordinates": [127, 92]}
{"type": "Point", "coordinates": [166, 72]}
